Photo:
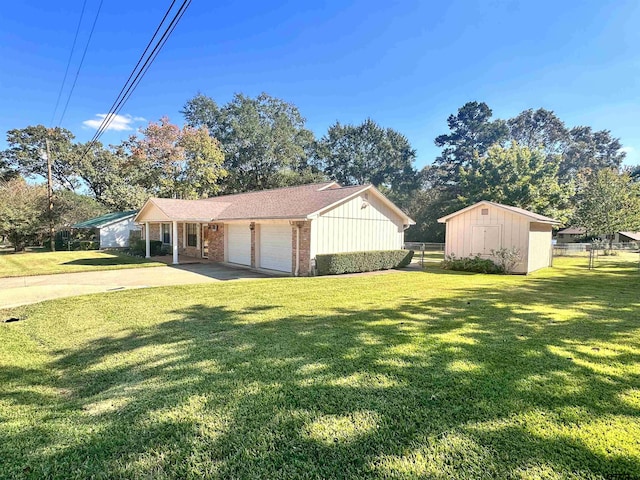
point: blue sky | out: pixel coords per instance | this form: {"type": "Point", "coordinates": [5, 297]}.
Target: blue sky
{"type": "Point", "coordinates": [407, 65]}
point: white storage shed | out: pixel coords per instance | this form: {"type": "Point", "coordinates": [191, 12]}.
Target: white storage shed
{"type": "Point", "coordinates": [111, 230]}
{"type": "Point", "coordinates": [486, 226]}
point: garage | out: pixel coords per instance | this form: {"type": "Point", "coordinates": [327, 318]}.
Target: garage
{"type": "Point", "coordinates": [275, 247]}
{"type": "Point", "coordinates": [239, 244]}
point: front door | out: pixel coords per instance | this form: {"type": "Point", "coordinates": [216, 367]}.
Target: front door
{"type": "Point", "coordinates": [205, 241]}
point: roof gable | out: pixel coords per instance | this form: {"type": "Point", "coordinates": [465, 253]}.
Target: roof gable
{"type": "Point", "coordinates": [518, 211]}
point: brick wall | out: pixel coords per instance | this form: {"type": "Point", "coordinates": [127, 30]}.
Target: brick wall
{"type": "Point", "coordinates": [154, 231]}
{"type": "Point", "coordinates": [183, 249]}
{"type": "Point", "coordinates": [305, 248]}
{"type": "Point", "coordinates": [216, 243]}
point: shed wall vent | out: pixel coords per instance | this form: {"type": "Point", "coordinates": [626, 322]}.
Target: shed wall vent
{"type": "Point", "coordinates": [485, 211]}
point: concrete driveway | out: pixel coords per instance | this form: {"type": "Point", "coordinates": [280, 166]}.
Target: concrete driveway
{"type": "Point", "coordinates": [18, 291]}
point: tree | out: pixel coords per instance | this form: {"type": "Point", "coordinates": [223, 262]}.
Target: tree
{"type": "Point", "coordinates": [368, 153]}
{"type": "Point", "coordinates": [71, 208]}
{"type": "Point", "coordinates": [609, 202]}
{"type": "Point", "coordinates": [6, 172]}
{"type": "Point", "coordinates": [471, 134]}
{"type": "Point", "coordinates": [27, 153]}
{"type": "Point", "coordinates": [179, 163]}
{"type": "Point", "coordinates": [590, 150]}
{"type": "Point", "coordinates": [23, 210]}
{"type": "Point", "coordinates": [516, 176]}
{"type": "Point", "coordinates": [264, 140]}
{"type": "Point", "coordinates": [539, 130]}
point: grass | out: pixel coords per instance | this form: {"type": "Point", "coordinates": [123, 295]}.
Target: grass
{"type": "Point", "coordinates": [409, 375]}
{"type": "Point", "coordinates": [43, 263]}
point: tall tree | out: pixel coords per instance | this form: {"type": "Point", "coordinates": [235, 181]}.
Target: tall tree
{"type": "Point", "coordinates": [181, 163]}
{"type": "Point", "coordinates": [516, 176]}
{"type": "Point", "coordinates": [27, 153]}
{"type": "Point", "coordinates": [23, 214]}
{"type": "Point", "coordinates": [609, 203]}
{"type": "Point", "coordinates": [539, 129]}
{"type": "Point", "coordinates": [591, 150]}
{"type": "Point", "coordinates": [471, 134]}
{"type": "Point", "coordinates": [264, 140]}
{"type": "Point", "coordinates": [368, 153]}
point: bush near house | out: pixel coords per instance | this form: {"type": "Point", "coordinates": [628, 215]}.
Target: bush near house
{"type": "Point", "coordinates": [354, 262]}
{"type": "Point", "coordinates": [139, 247]}
{"type": "Point", "coordinates": [475, 264]}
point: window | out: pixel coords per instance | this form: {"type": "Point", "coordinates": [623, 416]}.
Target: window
{"type": "Point", "coordinates": [192, 234]}
{"type": "Point", "coordinates": [166, 233]}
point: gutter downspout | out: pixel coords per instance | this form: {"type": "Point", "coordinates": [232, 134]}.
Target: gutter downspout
{"type": "Point", "coordinates": [297, 250]}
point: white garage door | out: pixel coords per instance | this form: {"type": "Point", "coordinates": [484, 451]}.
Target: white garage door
{"type": "Point", "coordinates": [239, 244]}
{"type": "Point", "coordinates": [275, 247]}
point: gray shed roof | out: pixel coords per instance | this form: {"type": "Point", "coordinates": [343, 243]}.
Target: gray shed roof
{"type": "Point", "coordinates": [536, 217]}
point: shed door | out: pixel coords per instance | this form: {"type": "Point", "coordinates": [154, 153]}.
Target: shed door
{"type": "Point", "coordinates": [239, 244]}
{"type": "Point", "coordinates": [275, 247]}
{"type": "Point", "coordinates": [484, 239]}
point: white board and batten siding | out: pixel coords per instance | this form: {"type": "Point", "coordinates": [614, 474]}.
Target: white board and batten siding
{"type": "Point", "coordinates": [471, 233]}
{"type": "Point", "coordinates": [116, 234]}
{"type": "Point", "coordinates": [276, 246]}
{"type": "Point", "coordinates": [238, 243]}
{"type": "Point", "coordinates": [360, 224]}
{"type": "Point", "coordinates": [540, 255]}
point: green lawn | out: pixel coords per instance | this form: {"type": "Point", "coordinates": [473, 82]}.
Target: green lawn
{"type": "Point", "coordinates": [43, 263]}
{"type": "Point", "coordinates": [406, 375]}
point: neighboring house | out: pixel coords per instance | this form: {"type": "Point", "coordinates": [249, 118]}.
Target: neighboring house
{"type": "Point", "coordinates": [486, 226]}
{"type": "Point", "coordinates": [570, 234]}
{"type": "Point", "coordinates": [576, 234]}
{"type": "Point", "coordinates": [281, 229]}
{"type": "Point", "coordinates": [626, 237]}
{"type": "Point", "coordinates": [111, 230]}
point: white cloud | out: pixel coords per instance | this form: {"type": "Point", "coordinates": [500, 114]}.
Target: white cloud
{"type": "Point", "coordinates": [119, 123]}
{"type": "Point", "coordinates": [628, 150]}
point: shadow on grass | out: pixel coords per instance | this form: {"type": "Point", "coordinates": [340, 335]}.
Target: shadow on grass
{"type": "Point", "coordinates": [485, 383]}
{"type": "Point", "coordinates": [104, 262]}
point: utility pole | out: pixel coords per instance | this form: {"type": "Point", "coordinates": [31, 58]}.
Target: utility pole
{"type": "Point", "coordinates": [50, 195]}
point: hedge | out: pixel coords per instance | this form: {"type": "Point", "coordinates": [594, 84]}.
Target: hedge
{"type": "Point", "coordinates": [139, 247]}
{"type": "Point", "coordinates": [471, 264]}
{"type": "Point", "coordinates": [354, 262]}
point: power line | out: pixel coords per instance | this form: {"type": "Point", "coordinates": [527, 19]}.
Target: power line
{"type": "Point", "coordinates": [66, 71]}
{"type": "Point", "coordinates": [130, 85]}
{"type": "Point", "coordinates": [147, 64]}
{"type": "Point", "coordinates": [86, 47]}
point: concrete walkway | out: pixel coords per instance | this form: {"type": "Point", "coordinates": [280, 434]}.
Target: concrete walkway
{"type": "Point", "coordinates": [18, 291]}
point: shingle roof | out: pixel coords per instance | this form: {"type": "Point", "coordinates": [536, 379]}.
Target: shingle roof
{"type": "Point", "coordinates": [288, 203]}
{"type": "Point", "coordinates": [520, 211]}
{"type": "Point", "coordinates": [105, 219]}
{"type": "Point", "coordinates": [573, 231]}
{"type": "Point", "coordinates": [291, 202]}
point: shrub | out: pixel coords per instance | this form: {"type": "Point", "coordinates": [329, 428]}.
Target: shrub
{"type": "Point", "coordinates": [354, 262]}
{"type": "Point", "coordinates": [471, 264]}
{"type": "Point", "coordinates": [139, 247]}
{"type": "Point", "coordinates": [507, 258]}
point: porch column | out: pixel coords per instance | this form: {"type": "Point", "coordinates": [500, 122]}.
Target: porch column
{"type": "Point", "coordinates": [174, 245]}
{"type": "Point", "coordinates": [147, 240]}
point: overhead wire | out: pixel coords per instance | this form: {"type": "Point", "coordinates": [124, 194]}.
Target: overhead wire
{"type": "Point", "coordinates": [130, 85]}
{"type": "Point", "coordinates": [66, 70]}
{"type": "Point", "coordinates": [84, 54]}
